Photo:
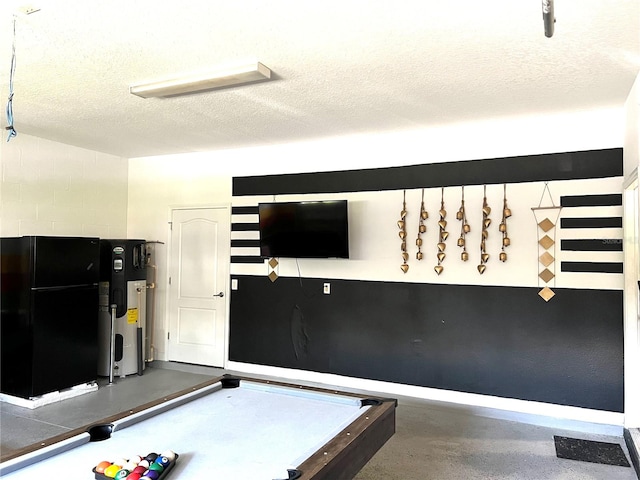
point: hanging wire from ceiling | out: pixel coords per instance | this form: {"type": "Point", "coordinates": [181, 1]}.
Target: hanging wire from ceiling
{"type": "Point", "coordinates": [12, 131]}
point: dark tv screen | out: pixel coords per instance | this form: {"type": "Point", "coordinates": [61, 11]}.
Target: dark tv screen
{"type": "Point", "coordinates": [304, 229]}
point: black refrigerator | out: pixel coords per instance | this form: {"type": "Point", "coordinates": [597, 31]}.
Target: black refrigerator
{"type": "Point", "coordinates": [49, 313]}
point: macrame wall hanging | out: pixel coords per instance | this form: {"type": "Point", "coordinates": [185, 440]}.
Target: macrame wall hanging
{"type": "Point", "coordinates": [486, 221]}
{"type": "Point", "coordinates": [422, 228]}
{"type": "Point", "coordinates": [442, 235]}
{"type": "Point", "coordinates": [402, 225]}
{"type": "Point", "coordinates": [546, 219]}
{"type": "Point", "coordinates": [464, 229]}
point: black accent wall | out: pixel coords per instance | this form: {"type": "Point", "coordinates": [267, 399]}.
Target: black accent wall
{"type": "Point", "coordinates": [502, 341]}
{"type": "Point", "coordinates": [528, 168]}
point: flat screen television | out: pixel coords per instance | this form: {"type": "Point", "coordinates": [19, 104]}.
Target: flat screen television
{"type": "Point", "coordinates": [304, 229]}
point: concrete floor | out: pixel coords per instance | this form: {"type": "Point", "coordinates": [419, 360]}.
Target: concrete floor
{"type": "Point", "coordinates": [432, 440]}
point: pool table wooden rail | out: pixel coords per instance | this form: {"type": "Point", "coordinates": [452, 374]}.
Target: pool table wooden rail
{"type": "Point", "coordinates": [341, 458]}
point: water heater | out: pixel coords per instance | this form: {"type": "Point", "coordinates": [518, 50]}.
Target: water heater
{"type": "Point", "coordinates": [122, 318]}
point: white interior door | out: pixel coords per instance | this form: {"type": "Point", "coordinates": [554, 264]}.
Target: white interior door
{"type": "Point", "coordinates": [198, 272]}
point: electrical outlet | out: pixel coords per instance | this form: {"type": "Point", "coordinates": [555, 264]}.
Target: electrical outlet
{"type": "Point", "coordinates": [327, 289]}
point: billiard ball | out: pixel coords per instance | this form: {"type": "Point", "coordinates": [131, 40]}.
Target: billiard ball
{"type": "Point", "coordinates": [164, 461]}
{"type": "Point", "coordinates": [152, 474]}
{"type": "Point", "coordinates": [133, 476]}
{"type": "Point", "coordinates": [129, 465]}
{"type": "Point", "coordinates": [139, 469]}
{"type": "Point", "coordinates": [135, 459]}
{"type": "Point", "coordinates": [158, 467]}
{"type": "Point", "coordinates": [171, 455]}
{"type": "Point", "coordinates": [122, 474]}
{"type": "Point", "coordinates": [144, 463]}
{"type": "Point", "coordinates": [151, 457]}
{"type": "Point", "coordinates": [111, 470]}
{"type": "Point", "coordinates": [101, 466]}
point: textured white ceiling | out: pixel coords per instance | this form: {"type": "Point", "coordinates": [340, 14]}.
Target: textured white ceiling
{"type": "Point", "coordinates": [340, 67]}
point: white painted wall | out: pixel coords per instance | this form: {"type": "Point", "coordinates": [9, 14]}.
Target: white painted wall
{"type": "Point", "coordinates": [49, 188]}
{"type": "Point", "coordinates": [374, 243]}
{"type": "Point", "coordinates": [156, 185]}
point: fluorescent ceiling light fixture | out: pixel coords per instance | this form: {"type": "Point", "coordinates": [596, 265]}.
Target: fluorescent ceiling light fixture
{"type": "Point", "coordinates": [229, 77]}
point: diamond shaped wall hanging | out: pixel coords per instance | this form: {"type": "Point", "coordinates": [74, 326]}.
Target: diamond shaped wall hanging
{"type": "Point", "coordinates": [546, 259]}
{"type": "Point", "coordinates": [546, 224]}
{"type": "Point", "coordinates": [273, 264]}
{"type": "Point", "coordinates": [546, 241]}
{"type": "Point", "coordinates": [546, 275]}
{"type": "Point", "coordinates": [547, 294]}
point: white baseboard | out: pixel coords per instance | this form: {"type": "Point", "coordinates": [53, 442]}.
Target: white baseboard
{"type": "Point", "coordinates": [538, 413]}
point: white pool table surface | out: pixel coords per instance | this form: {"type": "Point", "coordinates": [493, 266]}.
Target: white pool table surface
{"type": "Point", "coordinates": [258, 430]}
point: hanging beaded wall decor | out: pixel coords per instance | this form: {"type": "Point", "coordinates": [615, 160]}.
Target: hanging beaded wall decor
{"type": "Point", "coordinates": [422, 228]}
{"type": "Point", "coordinates": [464, 229]}
{"type": "Point", "coordinates": [506, 213]}
{"type": "Point", "coordinates": [402, 224]}
{"type": "Point", "coordinates": [546, 219]}
{"type": "Point", "coordinates": [442, 235]}
{"type": "Point", "coordinates": [486, 221]}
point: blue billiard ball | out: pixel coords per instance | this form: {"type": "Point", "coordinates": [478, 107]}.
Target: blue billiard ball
{"type": "Point", "coordinates": [164, 461]}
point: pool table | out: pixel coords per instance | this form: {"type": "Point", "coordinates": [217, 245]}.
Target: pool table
{"type": "Point", "coordinates": [228, 427]}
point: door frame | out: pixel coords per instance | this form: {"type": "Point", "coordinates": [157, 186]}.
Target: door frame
{"type": "Point", "coordinates": [223, 262]}
{"type": "Point", "coordinates": [631, 294]}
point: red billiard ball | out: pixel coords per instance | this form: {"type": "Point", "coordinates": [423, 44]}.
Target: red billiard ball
{"type": "Point", "coordinates": [133, 476]}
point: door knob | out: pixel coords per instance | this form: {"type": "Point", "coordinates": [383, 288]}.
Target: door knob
{"type": "Point", "coordinates": [221, 294]}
